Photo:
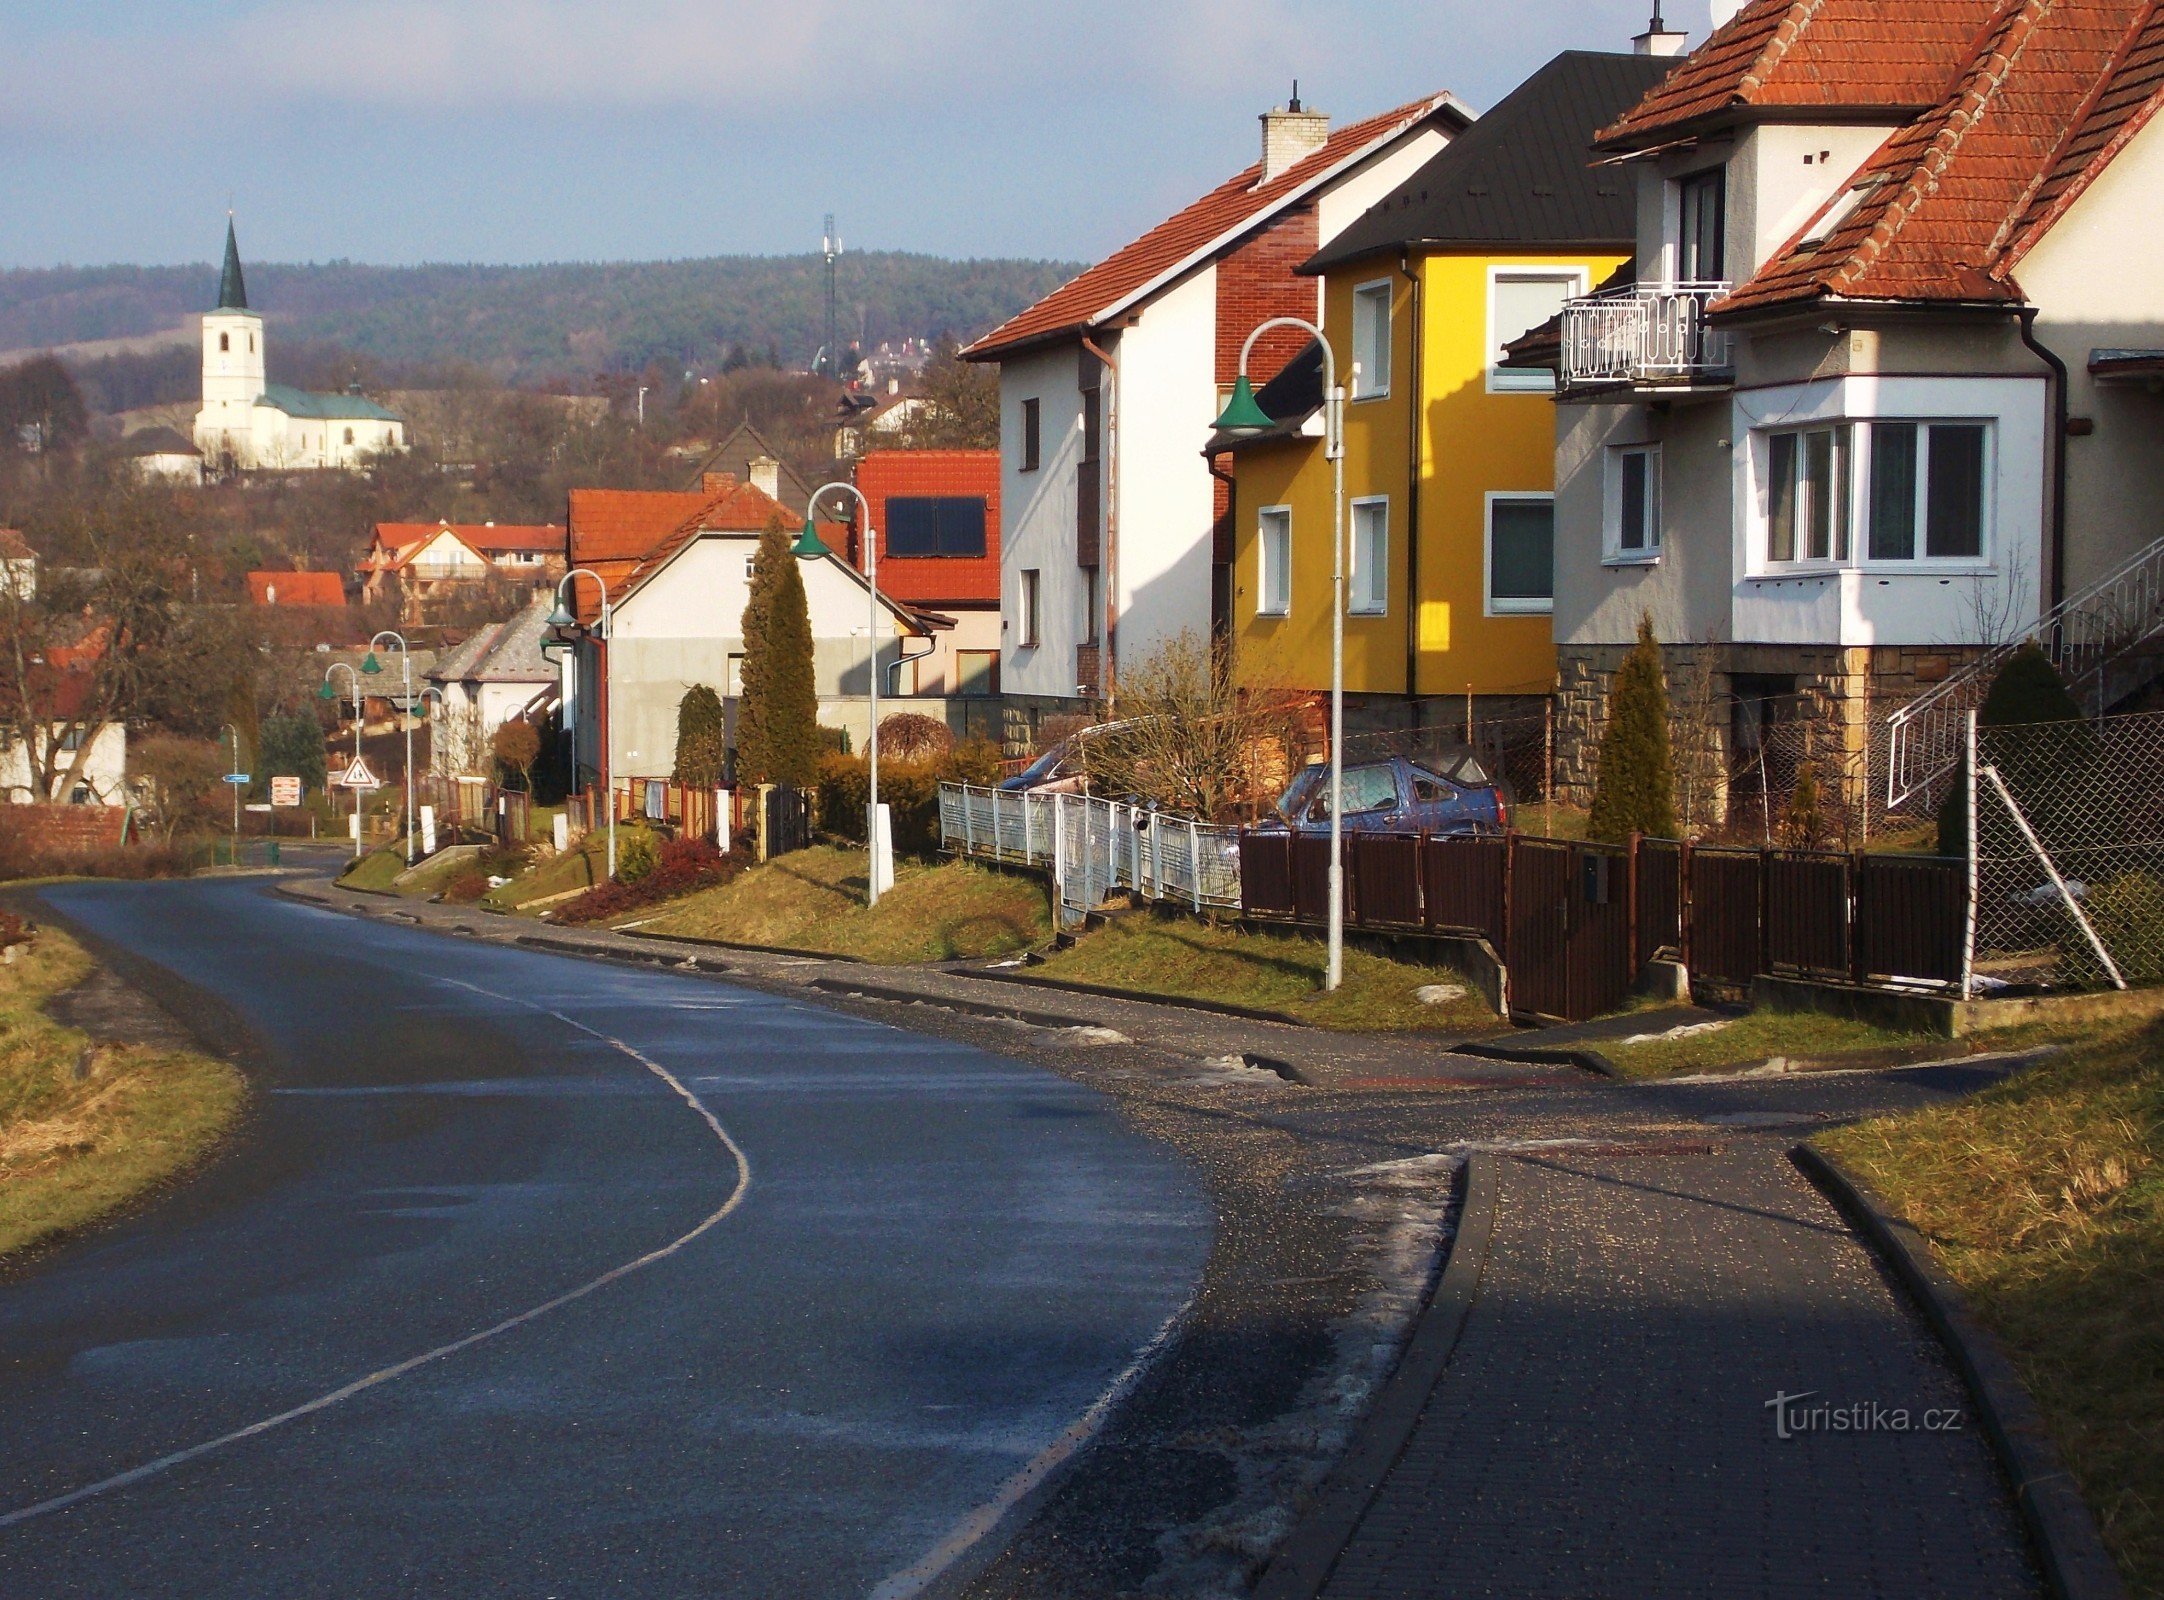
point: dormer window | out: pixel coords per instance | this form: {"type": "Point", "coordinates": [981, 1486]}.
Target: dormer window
{"type": "Point", "coordinates": [1702, 227]}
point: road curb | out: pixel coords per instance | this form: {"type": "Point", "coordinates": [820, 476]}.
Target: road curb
{"type": "Point", "coordinates": [2076, 1563]}
{"type": "Point", "coordinates": [1108, 992]}
{"type": "Point", "coordinates": [850, 988]}
{"type": "Point", "coordinates": [1304, 1562]}
{"type": "Point", "coordinates": [1532, 1055]}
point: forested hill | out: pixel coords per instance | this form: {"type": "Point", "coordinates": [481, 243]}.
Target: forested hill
{"type": "Point", "coordinates": [545, 322]}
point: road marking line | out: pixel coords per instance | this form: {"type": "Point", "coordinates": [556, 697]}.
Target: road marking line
{"type": "Point", "coordinates": [165, 1463]}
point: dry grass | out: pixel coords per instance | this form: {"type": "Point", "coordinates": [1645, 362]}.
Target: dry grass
{"type": "Point", "coordinates": [2044, 1198]}
{"type": "Point", "coordinates": [375, 871]}
{"type": "Point", "coordinates": [578, 869]}
{"type": "Point", "coordinates": [85, 1129]}
{"type": "Point", "coordinates": [1269, 972]}
{"type": "Point", "coordinates": [814, 900]}
{"type": "Point", "coordinates": [1760, 1036]}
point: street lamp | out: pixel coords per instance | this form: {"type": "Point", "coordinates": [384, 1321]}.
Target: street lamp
{"type": "Point", "coordinates": [232, 772]}
{"type": "Point", "coordinates": [372, 666]}
{"type": "Point", "coordinates": [561, 622]}
{"type": "Point", "coordinates": [1244, 417]}
{"type": "Point", "coordinates": [809, 547]}
{"type": "Point", "coordinates": [360, 708]}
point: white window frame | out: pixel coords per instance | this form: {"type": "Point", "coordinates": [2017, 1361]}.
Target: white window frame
{"type": "Point", "coordinates": [1490, 605]}
{"type": "Point", "coordinates": [1267, 602]}
{"type": "Point", "coordinates": [1500, 381]}
{"type": "Point", "coordinates": [1381, 603]}
{"type": "Point", "coordinates": [1375, 295]}
{"type": "Point", "coordinates": [1862, 435]}
{"type": "Point", "coordinates": [1841, 547]}
{"type": "Point", "coordinates": [1615, 552]}
{"type": "Point", "coordinates": [1029, 599]}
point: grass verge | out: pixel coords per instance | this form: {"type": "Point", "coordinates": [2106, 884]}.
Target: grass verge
{"type": "Point", "coordinates": [574, 872]}
{"type": "Point", "coordinates": [1760, 1036]}
{"type": "Point", "coordinates": [814, 900]}
{"type": "Point", "coordinates": [375, 871]}
{"type": "Point", "coordinates": [2044, 1200]}
{"type": "Point", "coordinates": [86, 1128]}
{"type": "Point", "coordinates": [1270, 972]}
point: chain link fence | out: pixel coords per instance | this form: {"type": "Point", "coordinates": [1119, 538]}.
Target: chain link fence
{"type": "Point", "coordinates": [2069, 830]}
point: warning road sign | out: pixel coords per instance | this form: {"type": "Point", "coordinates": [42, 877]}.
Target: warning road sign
{"type": "Point", "coordinates": [358, 776]}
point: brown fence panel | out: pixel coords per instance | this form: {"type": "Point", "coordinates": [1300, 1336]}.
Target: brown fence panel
{"type": "Point", "coordinates": [1266, 875]}
{"type": "Point", "coordinates": [1726, 895]}
{"type": "Point", "coordinates": [1602, 962]}
{"type": "Point", "coordinates": [1807, 913]}
{"type": "Point", "coordinates": [1311, 879]}
{"type": "Point", "coordinates": [1910, 913]}
{"type": "Point", "coordinates": [1660, 900]}
{"type": "Point", "coordinates": [1539, 910]}
{"type": "Point", "coordinates": [1462, 885]}
{"type": "Point", "coordinates": [1385, 870]}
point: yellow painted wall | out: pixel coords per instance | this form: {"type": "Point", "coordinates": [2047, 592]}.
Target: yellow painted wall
{"type": "Point", "coordinates": [1472, 443]}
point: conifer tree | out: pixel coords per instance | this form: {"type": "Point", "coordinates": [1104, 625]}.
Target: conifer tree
{"type": "Point", "coordinates": [1635, 791]}
{"type": "Point", "coordinates": [792, 707]}
{"type": "Point", "coordinates": [754, 738]}
{"type": "Point", "coordinates": [702, 738]}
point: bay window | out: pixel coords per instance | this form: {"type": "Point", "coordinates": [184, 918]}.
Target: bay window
{"type": "Point", "coordinates": [1910, 491]}
{"type": "Point", "coordinates": [1807, 495]}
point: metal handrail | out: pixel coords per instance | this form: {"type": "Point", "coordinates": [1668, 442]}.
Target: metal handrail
{"type": "Point", "coordinates": [2084, 636]}
{"type": "Point", "coordinates": [1644, 332]}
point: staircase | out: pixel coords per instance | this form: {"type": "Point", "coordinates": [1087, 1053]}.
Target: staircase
{"type": "Point", "coordinates": [2107, 642]}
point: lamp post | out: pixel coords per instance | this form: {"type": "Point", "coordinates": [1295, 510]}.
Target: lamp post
{"type": "Point", "coordinates": [1245, 418]}
{"type": "Point", "coordinates": [371, 665]}
{"type": "Point", "coordinates": [232, 771]}
{"type": "Point", "coordinates": [562, 622]}
{"type": "Point", "coordinates": [809, 547]}
{"type": "Point", "coordinates": [360, 708]}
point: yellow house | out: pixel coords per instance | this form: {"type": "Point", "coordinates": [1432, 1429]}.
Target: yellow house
{"type": "Point", "coordinates": [1449, 452]}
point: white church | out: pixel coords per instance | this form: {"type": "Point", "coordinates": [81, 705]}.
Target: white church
{"type": "Point", "coordinates": [248, 424]}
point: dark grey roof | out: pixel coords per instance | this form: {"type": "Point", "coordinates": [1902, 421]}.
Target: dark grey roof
{"type": "Point", "coordinates": [160, 441]}
{"type": "Point", "coordinates": [232, 289]}
{"type": "Point", "coordinates": [1521, 175]}
{"type": "Point", "coordinates": [503, 652]}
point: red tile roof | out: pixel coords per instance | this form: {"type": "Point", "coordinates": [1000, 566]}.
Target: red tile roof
{"type": "Point", "coordinates": [14, 547]}
{"type": "Point", "coordinates": [938, 581]}
{"type": "Point", "coordinates": [1214, 222]}
{"type": "Point", "coordinates": [484, 538]}
{"type": "Point", "coordinates": [1950, 204]}
{"type": "Point", "coordinates": [296, 589]}
{"type": "Point", "coordinates": [1791, 55]}
{"type": "Point", "coordinates": [624, 534]}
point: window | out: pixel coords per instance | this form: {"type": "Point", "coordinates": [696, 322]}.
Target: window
{"type": "Point", "coordinates": [1273, 555]}
{"type": "Point", "coordinates": [976, 673]}
{"type": "Point", "coordinates": [1702, 229]}
{"type": "Point", "coordinates": [1521, 554]}
{"type": "Point", "coordinates": [1370, 558]}
{"type": "Point", "coordinates": [1032, 434]}
{"type": "Point", "coordinates": [1366, 789]}
{"type": "Point", "coordinates": [935, 525]}
{"type": "Point", "coordinates": [1807, 494]}
{"type": "Point", "coordinates": [1519, 302]}
{"type": "Point", "coordinates": [1092, 604]}
{"type": "Point", "coordinates": [735, 679]}
{"type": "Point", "coordinates": [349, 436]}
{"type": "Point", "coordinates": [1371, 340]}
{"type": "Point", "coordinates": [225, 343]}
{"type": "Point", "coordinates": [1927, 478]}
{"type": "Point", "coordinates": [1635, 503]}
{"type": "Point", "coordinates": [1026, 625]}
{"type": "Point", "coordinates": [1093, 414]}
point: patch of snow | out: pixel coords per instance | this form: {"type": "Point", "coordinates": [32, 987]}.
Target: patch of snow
{"type": "Point", "coordinates": [1439, 994]}
{"type": "Point", "coordinates": [1689, 1030]}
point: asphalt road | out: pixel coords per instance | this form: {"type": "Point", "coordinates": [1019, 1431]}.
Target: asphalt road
{"type": "Point", "coordinates": [554, 1278]}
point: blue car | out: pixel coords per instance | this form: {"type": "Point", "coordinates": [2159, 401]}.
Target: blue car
{"type": "Point", "coordinates": [1454, 795]}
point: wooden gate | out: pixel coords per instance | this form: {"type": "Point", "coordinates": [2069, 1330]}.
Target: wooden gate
{"type": "Point", "coordinates": [1570, 929]}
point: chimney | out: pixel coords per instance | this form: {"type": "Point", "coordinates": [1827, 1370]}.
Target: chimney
{"type": "Point", "coordinates": [1658, 40]}
{"type": "Point", "coordinates": [716, 484]}
{"type": "Point", "coordinates": [1290, 134]}
{"type": "Point", "coordinates": [766, 476]}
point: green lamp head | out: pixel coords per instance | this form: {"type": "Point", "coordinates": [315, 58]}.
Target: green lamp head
{"type": "Point", "coordinates": [560, 620]}
{"type": "Point", "coordinates": [326, 692]}
{"type": "Point", "coordinates": [371, 665]}
{"type": "Point", "coordinates": [1242, 413]}
{"type": "Point", "coordinates": [809, 546]}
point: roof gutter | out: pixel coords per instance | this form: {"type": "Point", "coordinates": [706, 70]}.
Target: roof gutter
{"type": "Point", "coordinates": [2056, 506]}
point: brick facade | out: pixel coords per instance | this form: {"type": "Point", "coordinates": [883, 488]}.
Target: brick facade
{"type": "Point", "coordinates": [1259, 279]}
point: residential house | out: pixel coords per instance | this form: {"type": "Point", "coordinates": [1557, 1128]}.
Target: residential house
{"type": "Point", "coordinates": [937, 516]}
{"type": "Point", "coordinates": [86, 757]}
{"type": "Point", "coordinates": [428, 562]}
{"type": "Point", "coordinates": [18, 566]}
{"type": "Point", "coordinates": [1449, 448]}
{"type": "Point", "coordinates": [163, 455]}
{"type": "Point", "coordinates": [675, 619]}
{"type": "Point", "coordinates": [498, 675]}
{"type": "Point", "coordinates": [1881, 389]}
{"type": "Point", "coordinates": [747, 457]}
{"type": "Point", "coordinates": [296, 589]}
{"type": "Point", "coordinates": [249, 424]}
{"type": "Point", "coordinates": [1109, 544]}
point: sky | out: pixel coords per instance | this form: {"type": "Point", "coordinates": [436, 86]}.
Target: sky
{"type": "Point", "coordinates": [398, 131]}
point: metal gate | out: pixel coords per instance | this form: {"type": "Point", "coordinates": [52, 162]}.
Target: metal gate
{"type": "Point", "coordinates": [787, 821]}
{"type": "Point", "coordinates": [1570, 929]}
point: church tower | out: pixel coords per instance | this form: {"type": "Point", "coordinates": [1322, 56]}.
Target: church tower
{"type": "Point", "coordinates": [233, 373]}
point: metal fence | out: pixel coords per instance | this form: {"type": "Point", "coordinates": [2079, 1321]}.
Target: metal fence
{"type": "Point", "coordinates": [1094, 848]}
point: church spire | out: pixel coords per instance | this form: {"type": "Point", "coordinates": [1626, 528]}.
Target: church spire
{"type": "Point", "coordinates": [232, 288]}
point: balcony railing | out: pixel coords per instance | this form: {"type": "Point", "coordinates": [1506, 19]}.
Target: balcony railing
{"type": "Point", "coordinates": [1645, 334]}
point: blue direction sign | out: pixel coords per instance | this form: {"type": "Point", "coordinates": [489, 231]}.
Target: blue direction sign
{"type": "Point", "coordinates": [238, 778]}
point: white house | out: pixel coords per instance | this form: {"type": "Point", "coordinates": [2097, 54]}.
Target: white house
{"type": "Point", "coordinates": [498, 675]}
{"type": "Point", "coordinates": [162, 455]}
{"type": "Point", "coordinates": [250, 424]}
{"type": "Point", "coordinates": [1883, 387]}
{"type": "Point", "coordinates": [1109, 387]}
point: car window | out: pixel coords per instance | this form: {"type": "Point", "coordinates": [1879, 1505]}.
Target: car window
{"type": "Point", "coordinates": [1296, 793]}
{"type": "Point", "coordinates": [1431, 791]}
{"type": "Point", "coordinates": [1366, 789]}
